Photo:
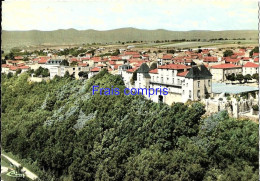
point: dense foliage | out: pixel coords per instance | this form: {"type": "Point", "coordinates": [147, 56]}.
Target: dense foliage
{"type": "Point", "coordinates": [153, 66]}
{"type": "Point", "coordinates": [227, 53]}
{"type": "Point", "coordinates": [44, 72]}
{"type": "Point", "coordinates": [255, 50]}
{"type": "Point", "coordinates": [70, 134]}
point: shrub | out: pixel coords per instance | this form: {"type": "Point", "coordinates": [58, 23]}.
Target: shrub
{"type": "Point", "coordinates": [255, 107]}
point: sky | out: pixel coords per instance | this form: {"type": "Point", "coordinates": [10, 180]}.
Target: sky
{"type": "Point", "coordinates": [176, 15]}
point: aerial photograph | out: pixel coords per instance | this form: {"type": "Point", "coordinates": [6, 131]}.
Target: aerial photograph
{"type": "Point", "coordinates": [130, 90]}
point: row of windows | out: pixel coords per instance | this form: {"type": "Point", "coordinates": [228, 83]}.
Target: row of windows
{"type": "Point", "coordinates": [173, 80]}
{"type": "Point", "coordinates": [198, 93]}
{"type": "Point", "coordinates": [199, 83]}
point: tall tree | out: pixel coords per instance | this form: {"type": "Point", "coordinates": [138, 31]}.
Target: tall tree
{"type": "Point", "coordinates": [240, 77]}
{"type": "Point", "coordinates": [227, 53]}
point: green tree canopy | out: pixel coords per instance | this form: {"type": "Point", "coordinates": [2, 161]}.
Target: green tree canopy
{"type": "Point", "coordinates": [227, 53]}
{"type": "Point", "coordinates": [240, 77]}
{"type": "Point", "coordinates": [256, 76]}
{"type": "Point", "coordinates": [247, 77]}
{"type": "Point", "coordinates": [153, 66]}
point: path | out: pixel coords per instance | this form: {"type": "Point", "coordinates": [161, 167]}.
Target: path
{"type": "Point", "coordinates": [28, 173]}
{"type": "Point", "coordinates": [4, 170]}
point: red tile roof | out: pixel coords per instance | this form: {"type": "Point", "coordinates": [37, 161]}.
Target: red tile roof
{"type": "Point", "coordinates": [85, 58]}
{"type": "Point", "coordinates": [24, 67]}
{"type": "Point", "coordinates": [131, 70]}
{"type": "Point", "coordinates": [205, 51]}
{"type": "Point", "coordinates": [13, 68]}
{"type": "Point", "coordinates": [225, 66]}
{"type": "Point", "coordinates": [18, 58]}
{"type": "Point", "coordinates": [178, 58]}
{"type": "Point", "coordinates": [240, 53]}
{"type": "Point", "coordinates": [112, 62]}
{"type": "Point", "coordinates": [256, 54]}
{"type": "Point", "coordinates": [136, 60]}
{"type": "Point", "coordinates": [154, 71]}
{"type": "Point", "coordinates": [43, 60]}
{"type": "Point", "coordinates": [210, 59]}
{"type": "Point", "coordinates": [113, 58]}
{"type": "Point", "coordinates": [13, 61]}
{"type": "Point", "coordinates": [183, 74]}
{"type": "Point", "coordinates": [116, 66]}
{"type": "Point", "coordinates": [251, 65]}
{"type": "Point", "coordinates": [82, 64]}
{"type": "Point", "coordinates": [245, 58]}
{"type": "Point", "coordinates": [232, 60]}
{"type": "Point", "coordinates": [256, 59]}
{"type": "Point", "coordinates": [173, 66]}
{"type": "Point", "coordinates": [131, 53]}
{"type": "Point", "coordinates": [96, 59]}
{"type": "Point", "coordinates": [233, 56]}
{"type": "Point", "coordinates": [136, 56]}
{"type": "Point", "coordinates": [5, 65]}
{"type": "Point", "coordinates": [101, 65]}
{"type": "Point", "coordinates": [75, 60]}
{"type": "Point", "coordinates": [95, 69]}
{"type": "Point", "coordinates": [167, 57]}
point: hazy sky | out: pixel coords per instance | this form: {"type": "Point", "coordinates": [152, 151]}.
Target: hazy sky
{"type": "Point", "coordinates": [144, 14]}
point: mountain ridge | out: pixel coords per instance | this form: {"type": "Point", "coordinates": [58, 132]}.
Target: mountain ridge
{"type": "Point", "coordinates": [73, 36]}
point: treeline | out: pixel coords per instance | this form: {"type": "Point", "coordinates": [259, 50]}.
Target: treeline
{"type": "Point", "coordinates": [67, 133]}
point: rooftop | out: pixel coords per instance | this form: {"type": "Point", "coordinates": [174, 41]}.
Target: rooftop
{"type": "Point", "coordinates": [198, 72]}
{"type": "Point", "coordinates": [231, 89]}
{"type": "Point", "coordinates": [154, 71]}
{"type": "Point", "coordinates": [251, 65]}
{"type": "Point", "coordinates": [225, 66]}
{"type": "Point", "coordinates": [173, 66]}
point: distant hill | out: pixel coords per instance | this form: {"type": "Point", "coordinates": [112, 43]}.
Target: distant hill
{"type": "Point", "coordinates": [71, 36]}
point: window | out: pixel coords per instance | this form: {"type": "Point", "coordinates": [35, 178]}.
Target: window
{"type": "Point", "coordinates": [183, 92]}
{"type": "Point", "coordinates": [162, 79]}
{"type": "Point", "coordinates": [209, 83]}
{"type": "Point", "coordinates": [178, 81]}
{"type": "Point", "coordinates": [187, 84]}
{"type": "Point", "coordinates": [189, 93]}
{"type": "Point", "coordinates": [173, 81]}
{"type": "Point", "coordinates": [198, 84]}
{"type": "Point", "coordinates": [73, 68]}
{"type": "Point", "coordinates": [198, 94]}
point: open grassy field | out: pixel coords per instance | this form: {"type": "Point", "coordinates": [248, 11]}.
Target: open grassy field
{"type": "Point", "coordinates": [72, 37]}
{"type": "Point", "coordinates": [195, 44]}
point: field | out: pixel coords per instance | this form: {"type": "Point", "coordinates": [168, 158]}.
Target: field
{"type": "Point", "coordinates": [72, 37]}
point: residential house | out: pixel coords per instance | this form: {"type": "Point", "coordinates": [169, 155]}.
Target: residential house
{"type": "Point", "coordinates": [220, 71]}
{"type": "Point", "coordinates": [250, 68]}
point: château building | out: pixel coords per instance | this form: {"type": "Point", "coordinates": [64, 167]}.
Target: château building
{"type": "Point", "coordinates": [183, 82]}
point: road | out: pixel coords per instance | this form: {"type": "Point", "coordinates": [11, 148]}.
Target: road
{"type": "Point", "coordinates": [28, 173]}
{"type": "Point", "coordinates": [4, 170]}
